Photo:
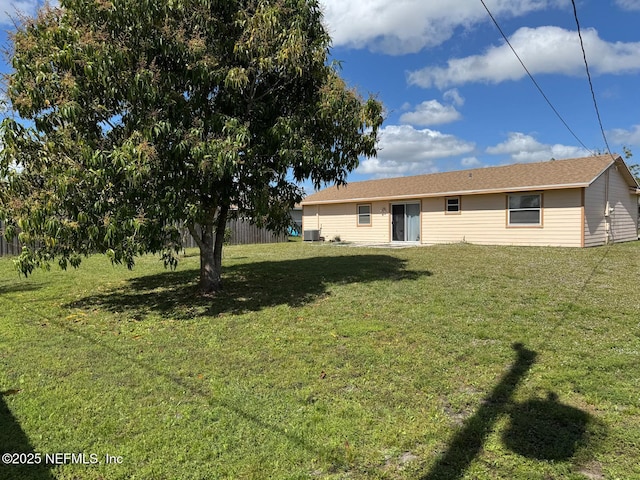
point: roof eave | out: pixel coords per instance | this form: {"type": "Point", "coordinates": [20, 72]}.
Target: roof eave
{"type": "Point", "coordinates": [627, 174]}
{"type": "Point", "coordinates": [529, 188]}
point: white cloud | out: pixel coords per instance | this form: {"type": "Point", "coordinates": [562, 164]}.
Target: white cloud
{"type": "Point", "coordinates": [524, 148]}
{"type": "Point", "coordinates": [471, 162]}
{"type": "Point", "coordinates": [454, 97]}
{"type": "Point", "coordinates": [391, 168]}
{"type": "Point", "coordinates": [625, 137]}
{"type": "Point", "coordinates": [431, 112]}
{"type": "Point", "coordinates": [628, 4]}
{"type": "Point", "coordinates": [410, 25]}
{"type": "Point", "coordinates": [543, 50]}
{"type": "Point", "coordinates": [11, 8]}
{"type": "Point", "coordinates": [404, 150]}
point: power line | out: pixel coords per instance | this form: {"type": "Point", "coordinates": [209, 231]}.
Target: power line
{"type": "Point", "coordinates": [533, 79]}
{"type": "Point", "coordinates": [586, 65]}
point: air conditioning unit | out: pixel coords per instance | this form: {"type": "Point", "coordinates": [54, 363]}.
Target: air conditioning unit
{"type": "Point", "coordinates": [311, 235]}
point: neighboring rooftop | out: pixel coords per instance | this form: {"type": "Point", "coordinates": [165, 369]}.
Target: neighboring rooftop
{"type": "Point", "coordinates": [554, 174]}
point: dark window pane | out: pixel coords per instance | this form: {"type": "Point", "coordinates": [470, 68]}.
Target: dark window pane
{"type": "Point", "coordinates": [525, 217]}
{"type": "Point", "coordinates": [524, 201]}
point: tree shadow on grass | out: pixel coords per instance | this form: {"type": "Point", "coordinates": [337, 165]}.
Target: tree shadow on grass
{"type": "Point", "coordinates": [547, 429]}
{"type": "Point", "coordinates": [17, 287]}
{"type": "Point", "coordinates": [538, 429]}
{"type": "Point", "coordinates": [247, 286]}
{"type": "Point", "coordinates": [13, 440]}
{"type": "Point", "coordinates": [468, 442]}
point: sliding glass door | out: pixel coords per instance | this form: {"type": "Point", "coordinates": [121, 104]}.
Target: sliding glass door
{"type": "Point", "coordinates": [405, 222]}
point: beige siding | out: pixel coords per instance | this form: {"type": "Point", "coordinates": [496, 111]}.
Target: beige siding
{"type": "Point", "coordinates": [570, 217]}
{"type": "Point", "coordinates": [594, 225]}
{"type": "Point", "coordinates": [310, 218]}
{"type": "Point", "coordinates": [483, 220]}
{"type": "Point", "coordinates": [621, 224]}
{"type": "Point", "coordinates": [624, 216]}
{"type": "Point", "coordinates": [341, 220]}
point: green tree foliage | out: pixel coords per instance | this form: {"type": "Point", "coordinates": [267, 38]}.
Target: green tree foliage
{"type": "Point", "coordinates": [136, 116]}
{"type": "Point", "coordinates": [633, 167]}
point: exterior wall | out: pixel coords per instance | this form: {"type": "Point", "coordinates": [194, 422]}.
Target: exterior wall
{"type": "Point", "coordinates": [570, 218]}
{"type": "Point", "coordinates": [341, 220]}
{"type": "Point", "coordinates": [483, 220]}
{"type": "Point", "coordinates": [622, 223]}
{"type": "Point", "coordinates": [624, 217]}
{"type": "Point", "coordinates": [594, 203]}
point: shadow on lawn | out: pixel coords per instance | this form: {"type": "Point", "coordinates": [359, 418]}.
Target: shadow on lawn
{"type": "Point", "coordinates": [538, 429]}
{"type": "Point", "coordinates": [19, 287]}
{"type": "Point", "coordinates": [546, 429]}
{"type": "Point", "coordinates": [247, 286]}
{"type": "Point", "coordinates": [14, 440]}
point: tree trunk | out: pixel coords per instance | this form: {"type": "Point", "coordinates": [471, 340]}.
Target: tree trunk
{"type": "Point", "coordinates": [210, 270]}
{"type": "Point", "coordinates": [210, 241]}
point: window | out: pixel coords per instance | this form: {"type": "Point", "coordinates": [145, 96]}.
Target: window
{"type": "Point", "coordinates": [452, 205]}
{"type": "Point", "coordinates": [364, 215]}
{"type": "Point", "coordinates": [525, 210]}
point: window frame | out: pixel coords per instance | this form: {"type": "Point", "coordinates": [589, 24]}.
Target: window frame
{"type": "Point", "coordinates": [459, 205]}
{"type": "Point", "coordinates": [539, 209]}
{"type": "Point", "coordinates": [359, 215]}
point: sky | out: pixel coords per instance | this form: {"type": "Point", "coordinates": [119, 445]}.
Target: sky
{"type": "Point", "coordinates": [455, 95]}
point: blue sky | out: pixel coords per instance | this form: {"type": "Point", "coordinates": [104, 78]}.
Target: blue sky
{"type": "Point", "coordinates": [455, 95]}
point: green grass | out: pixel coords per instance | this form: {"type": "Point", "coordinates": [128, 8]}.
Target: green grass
{"type": "Point", "coordinates": [447, 362]}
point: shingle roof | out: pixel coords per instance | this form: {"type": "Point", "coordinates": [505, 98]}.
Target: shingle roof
{"type": "Point", "coordinates": [575, 172]}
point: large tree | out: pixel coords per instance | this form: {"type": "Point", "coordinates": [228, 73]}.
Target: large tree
{"type": "Point", "coordinates": [137, 116]}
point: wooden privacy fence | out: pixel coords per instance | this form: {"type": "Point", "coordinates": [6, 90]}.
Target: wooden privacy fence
{"type": "Point", "coordinates": [8, 248]}
{"type": "Point", "coordinates": [242, 233]}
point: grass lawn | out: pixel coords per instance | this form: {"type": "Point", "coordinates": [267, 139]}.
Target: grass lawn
{"type": "Point", "coordinates": [328, 362]}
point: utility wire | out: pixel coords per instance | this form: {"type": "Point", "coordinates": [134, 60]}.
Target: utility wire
{"type": "Point", "coordinates": [586, 65]}
{"type": "Point", "coordinates": [533, 79]}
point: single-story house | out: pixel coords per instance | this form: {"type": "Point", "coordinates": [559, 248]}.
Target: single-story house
{"type": "Point", "coordinates": [578, 202]}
